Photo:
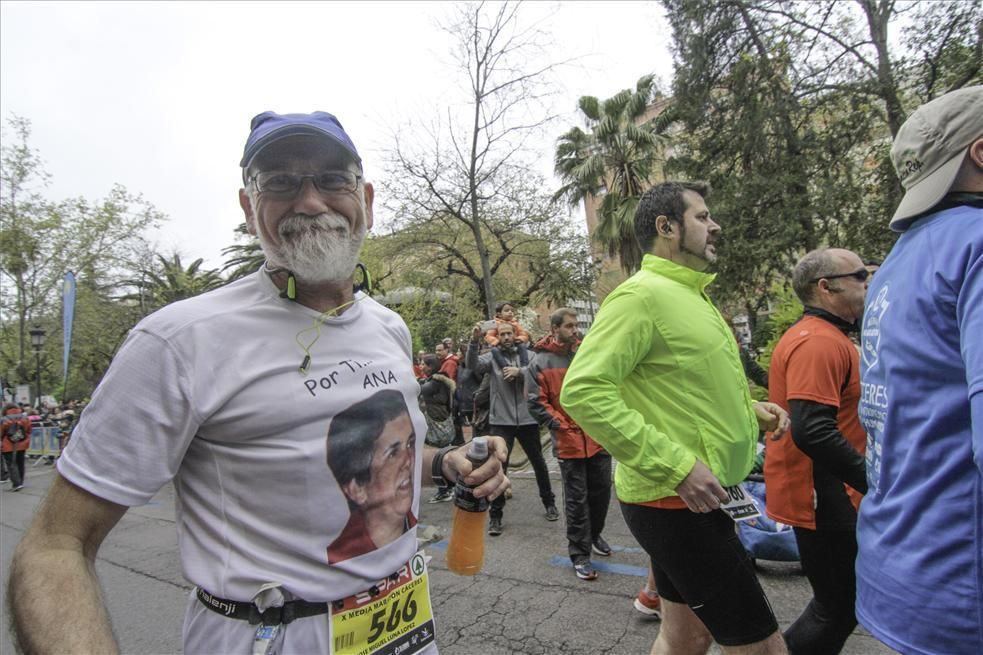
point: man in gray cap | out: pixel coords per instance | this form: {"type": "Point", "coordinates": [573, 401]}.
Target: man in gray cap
{"type": "Point", "coordinates": [262, 515]}
{"type": "Point", "coordinates": [920, 562]}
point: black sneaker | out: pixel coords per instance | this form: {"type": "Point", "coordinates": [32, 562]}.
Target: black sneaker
{"type": "Point", "coordinates": [494, 526]}
{"type": "Point", "coordinates": [552, 514]}
{"type": "Point", "coordinates": [585, 571]}
{"type": "Point", "coordinates": [442, 496]}
{"type": "Point", "coordinates": [601, 547]}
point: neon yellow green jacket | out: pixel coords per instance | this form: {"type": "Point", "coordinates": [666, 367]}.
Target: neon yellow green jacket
{"type": "Point", "coordinates": [658, 382]}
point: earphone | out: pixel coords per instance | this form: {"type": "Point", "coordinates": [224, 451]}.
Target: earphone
{"type": "Point", "coordinates": [290, 291]}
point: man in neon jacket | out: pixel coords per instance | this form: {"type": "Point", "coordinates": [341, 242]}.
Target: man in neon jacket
{"type": "Point", "coordinates": [658, 382]}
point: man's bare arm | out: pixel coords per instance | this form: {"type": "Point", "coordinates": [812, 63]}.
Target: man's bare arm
{"type": "Point", "coordinates": [54, 567]}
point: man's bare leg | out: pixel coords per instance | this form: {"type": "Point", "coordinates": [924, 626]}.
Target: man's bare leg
{"type": "Point", "coordinates": [682, 632]}
{"type": "Point", "coordinates": [772, 645]}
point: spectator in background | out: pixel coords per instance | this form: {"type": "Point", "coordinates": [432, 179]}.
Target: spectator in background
{"type": "Point", "coordinates": [505, 314]}
{"type": "Point", "coordinates": [449, 363]}
{"type": "Point", "coordinates": [467, 387]}
{"type": "Point", "coordinates": [509, 417]}
{"type": "Point", "coordinates": [66, 419]}
{"type": "Point", "coordinates": [15, 428]}
{"type": "Point", "coordinates": [585, 467]}
{"type": "Point", "coordinates": [446, 360]}
{"type": "Point", "coordinates": [448, 344]}
{"type": "Point", "coordinates": [752, 369]}
{"type": "Point", "coordinates": [418, 365]}
{"type": "Point", "coordinates": [436, 395]}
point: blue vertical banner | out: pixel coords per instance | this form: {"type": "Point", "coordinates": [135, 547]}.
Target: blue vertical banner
{"type": "Point", "coordinates": [67, 316]}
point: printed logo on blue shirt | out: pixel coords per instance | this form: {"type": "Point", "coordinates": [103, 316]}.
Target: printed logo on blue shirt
{"type": "Point", "coordinates": [871, 337]}
{"type": "Point", "coordinates": [874, 397]}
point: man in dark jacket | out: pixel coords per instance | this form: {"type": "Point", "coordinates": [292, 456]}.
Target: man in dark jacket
{"type": "Point", "coordinates": [449, 365]}
{"type": "Point", "coordinates": [467, 387]}
{"type": "Point", "coordinates": [436, 394]}
{"type": "Point", "coordinates": [584, 466]}
{"type": "Point", "coordinates": [509, 414]}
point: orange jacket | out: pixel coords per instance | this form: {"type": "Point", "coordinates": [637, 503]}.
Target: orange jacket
{"type": "Point", "coordinates": [448, 366]}
{"type": "Point", "coordinates": [14, 416]}
{"type": "Point", "coordinates": [544, 378]}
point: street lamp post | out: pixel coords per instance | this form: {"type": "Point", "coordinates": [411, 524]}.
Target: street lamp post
{"type": "Point", "coordinates": [37, 342]}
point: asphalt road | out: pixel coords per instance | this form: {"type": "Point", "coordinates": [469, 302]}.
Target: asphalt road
{"type": "Point", "coordinates": [526, 600]}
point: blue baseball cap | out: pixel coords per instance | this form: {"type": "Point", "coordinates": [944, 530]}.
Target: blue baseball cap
{"type": "Point", "coordinates": [269, 127]}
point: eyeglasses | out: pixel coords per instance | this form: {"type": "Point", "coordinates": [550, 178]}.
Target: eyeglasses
{"type": "Point", "coordinates": [860, 275]}
{"type": "Point", "coordinates": [283, 183]}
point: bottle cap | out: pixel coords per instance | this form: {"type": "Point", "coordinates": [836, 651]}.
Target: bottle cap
{"type": "Point", "coordinates": [478, 451]}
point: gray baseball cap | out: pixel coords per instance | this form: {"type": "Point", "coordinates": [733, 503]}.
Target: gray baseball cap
{"type": "Point", "coordinates": [930, 147]}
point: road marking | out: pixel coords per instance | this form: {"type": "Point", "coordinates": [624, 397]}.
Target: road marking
{"type": "Point", "coordinates": [607, 567]}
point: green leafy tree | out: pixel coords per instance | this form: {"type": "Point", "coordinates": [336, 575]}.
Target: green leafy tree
{"type": "Point", "coordinates": [243, 257]}
{"type": "Point", "coordinates": [41, 239]}
{"type": "Point", "coordinates": [170, 280]}
{"type": "Point", "coordinates": [788, 110]}
{"type": "Point", "coordinates": [616, 160]}
{"type": "Point", "coordinates": [431, 318]}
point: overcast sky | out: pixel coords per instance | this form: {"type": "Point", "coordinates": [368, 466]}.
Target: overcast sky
{"type": "Point", "coordinates": [158, 96]}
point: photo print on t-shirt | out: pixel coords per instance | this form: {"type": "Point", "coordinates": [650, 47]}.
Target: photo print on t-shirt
{"type": "Point", "coordinates": [371, 448]}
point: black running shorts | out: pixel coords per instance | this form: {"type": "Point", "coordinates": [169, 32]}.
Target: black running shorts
{"type": "Point", "coordinates": [698, 560]}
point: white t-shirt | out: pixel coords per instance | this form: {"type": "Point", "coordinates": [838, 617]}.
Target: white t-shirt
{"type": "Point", "coordinates": [207, 392]}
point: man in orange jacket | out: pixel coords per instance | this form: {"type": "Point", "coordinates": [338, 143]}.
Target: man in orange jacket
{"type": "Point", "coordinates": [584, 466]}
{"type": "Point", "coordinates": [16, 430]}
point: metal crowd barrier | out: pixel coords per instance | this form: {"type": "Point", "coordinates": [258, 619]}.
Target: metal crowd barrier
{"type": "Point", "coordinates": [45, 442]}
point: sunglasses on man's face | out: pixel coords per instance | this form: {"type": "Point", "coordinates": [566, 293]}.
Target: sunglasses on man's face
{"type": "Point", "coordinates": [860, 275]}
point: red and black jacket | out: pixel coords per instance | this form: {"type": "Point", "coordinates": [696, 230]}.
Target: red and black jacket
{"type": "Point", "coordinates": [544, 378]}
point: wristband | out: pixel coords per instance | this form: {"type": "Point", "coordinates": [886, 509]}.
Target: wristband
{"type": "Point", "coordinates": [436, 468]}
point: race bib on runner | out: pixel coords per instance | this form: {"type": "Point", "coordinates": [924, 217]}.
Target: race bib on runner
{"type": "Point", "coordinates": [741, 505]}
{"type": "Point", "coordinates": [394, 617]}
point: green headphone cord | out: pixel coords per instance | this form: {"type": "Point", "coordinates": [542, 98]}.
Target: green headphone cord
{"type": "Point", "coordinates": [305, 365]}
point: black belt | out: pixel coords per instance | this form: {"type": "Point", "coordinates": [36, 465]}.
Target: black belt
{"type": "Point", "coordinates": [234, 609]}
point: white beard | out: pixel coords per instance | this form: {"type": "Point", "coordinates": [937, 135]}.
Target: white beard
{"type": "Point", "coordinates": [315, 249]}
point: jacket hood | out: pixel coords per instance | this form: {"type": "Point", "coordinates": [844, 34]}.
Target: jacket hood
{"type": "Point", "coordinates": [550, 344]}
{"type": "Point", "coordinates": [440, 377]}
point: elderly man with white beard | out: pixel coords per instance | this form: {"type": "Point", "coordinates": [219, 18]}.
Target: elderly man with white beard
{"type": "Point", "coordinates": [246, 398]}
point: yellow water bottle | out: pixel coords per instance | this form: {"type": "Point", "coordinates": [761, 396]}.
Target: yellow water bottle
{"type": "Point", "coordinates": [466, 550]}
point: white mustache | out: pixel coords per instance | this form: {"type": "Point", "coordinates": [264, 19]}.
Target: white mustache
{"type": "Point", "coordinates": [303, 223]}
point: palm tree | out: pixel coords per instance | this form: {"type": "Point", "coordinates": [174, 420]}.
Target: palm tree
{"type": "Point", "coordinates": [617, 157]}
{"type": "Point", "coordinates": [242, 258]}
{"type": "Point", "coordinates": [171, 281]}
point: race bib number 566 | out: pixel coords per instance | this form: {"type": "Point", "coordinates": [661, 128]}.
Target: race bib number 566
{"type": "Point", "coordinates": [392, 618]}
